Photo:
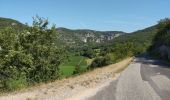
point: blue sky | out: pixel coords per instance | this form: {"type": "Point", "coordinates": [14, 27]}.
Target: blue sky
{"type": "Point", "coordinates": [123, 15]}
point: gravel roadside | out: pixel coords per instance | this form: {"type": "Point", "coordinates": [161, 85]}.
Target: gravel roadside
{"type": "Point", "coordinates": [73, 87]}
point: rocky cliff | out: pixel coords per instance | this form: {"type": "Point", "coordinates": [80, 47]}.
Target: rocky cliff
{"type": "Point", "coordinates": [86, 36]}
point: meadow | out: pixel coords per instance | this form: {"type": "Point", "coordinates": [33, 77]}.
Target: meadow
{"type": "Point", "coordinates": [68, 67]}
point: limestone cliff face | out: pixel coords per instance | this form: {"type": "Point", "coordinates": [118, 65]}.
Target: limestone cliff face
{"type": "Point", "coordinates": [87, 36]}
{"type": "Point", "coordinates": [91, 37]}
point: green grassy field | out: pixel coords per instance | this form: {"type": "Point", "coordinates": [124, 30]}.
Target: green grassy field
{"type": "Point", "coordinates": [68, 67]}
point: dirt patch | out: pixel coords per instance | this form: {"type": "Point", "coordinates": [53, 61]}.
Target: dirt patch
{"type": "Point", "coordinates": [67, 88]}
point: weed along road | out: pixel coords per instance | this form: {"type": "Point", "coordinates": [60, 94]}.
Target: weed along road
{"type": "Point", "coordinates": [144, 79]}
{"type": "Point", "coordinates": [79, 87]}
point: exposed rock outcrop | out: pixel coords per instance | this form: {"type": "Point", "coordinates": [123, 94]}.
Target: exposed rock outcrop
{"type": "Point", "coordinates": [86, 36]}
{"type": "Point", "coordinates": [164, 52]}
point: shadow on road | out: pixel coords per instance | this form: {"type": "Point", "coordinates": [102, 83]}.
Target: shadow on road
{"type": "Point", "coordinates": [154, 68]}
{"type": "Point", "coordinates": [146, 59]}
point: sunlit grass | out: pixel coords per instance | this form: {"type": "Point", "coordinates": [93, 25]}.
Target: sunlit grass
{"type": "Point", "coordinates": [68, 68]}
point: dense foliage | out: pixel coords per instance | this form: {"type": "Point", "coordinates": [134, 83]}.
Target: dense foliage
{"type": "Point", "coordinates": [100, 61]}
{"type": "Point", "coordinates": [35, 54]}
{"type": "Point", "coordinates": [29, 56]}
{"type": "Point", "coordinates": [127, 45]}
{"type": "Point", "coordinates": [6, 22]}
{"type": "Point", "coordinates": [161, 42]}
{"type": "Point", "coordinates": [163, 35]}
{"type": "Point", "coordinates": [85, 37]}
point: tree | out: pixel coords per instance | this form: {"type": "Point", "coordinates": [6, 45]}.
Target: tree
{"type": "Point", "coordinates": [161, 42]}
{"type": "Point", "coordinates": [101, 61]}
{"type": "Point", "coordinates": [88, 52]}
{"type": "Point", "coordinates": [29, 56]}
{"type": "Point", "coordinates": [77, 69]}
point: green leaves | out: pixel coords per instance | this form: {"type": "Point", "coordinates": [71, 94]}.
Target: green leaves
{"type": "Point", "coordinates": [161, 42]}
{"type": "Point", "coordinates": [29, 56]}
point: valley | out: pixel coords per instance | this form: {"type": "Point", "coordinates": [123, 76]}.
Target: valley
{"type": "Point", "coordinates": [39, 61]}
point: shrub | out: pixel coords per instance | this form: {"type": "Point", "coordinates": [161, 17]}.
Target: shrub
{"type": "Point", "coordinates": [101, 61]}
{"type": "Point", "coordinates": [30, 56]}
{"type": "Point", "coordinates": [162, 38]}
{"type": "Point", "coordinates": [77, 70]}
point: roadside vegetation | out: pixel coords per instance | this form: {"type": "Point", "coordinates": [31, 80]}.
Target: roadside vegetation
{"type": "Point", "coordinates": [124, 46]}
{"type": "Point", "coordinates": [29, 56]}
{"type": "Point", "coordinates": [160, 47]}
{"type": "Point", "coordinates": [36, 54]}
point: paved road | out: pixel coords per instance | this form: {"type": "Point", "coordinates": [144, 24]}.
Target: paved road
{"type": "Point", "coordinates": [144, 79]}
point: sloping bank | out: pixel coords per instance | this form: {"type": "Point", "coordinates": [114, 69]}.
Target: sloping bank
{"type": "Point", "coordinates": [73, 88]}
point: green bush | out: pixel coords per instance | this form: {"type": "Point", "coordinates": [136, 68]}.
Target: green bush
{"type": "Point", "coordinates": [162, 38]}
{"type": "Point", "coordinates": [77, 70]}
{"type": "Point", "coordinates": [12, 84]}
{"type": "Point", "coordinates": [29, 56]}
{"type": "Point", "coordinates": [100, 62]}
{"type": "Point", "coordinates": [88, 53]}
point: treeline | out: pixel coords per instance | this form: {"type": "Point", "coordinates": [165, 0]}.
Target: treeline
{"type": "Point", "coordinates": [5, 22]}
{"type": "Point", "coordinates": [29, 56]}
{"type": "Point", "coordinates": [113, 51]}
{"type": "Point", "coordinates": [33, 54]}
{"type": "Point", "coordinates": [119, 48]}
{"type": "Point", "coordinates": [161, 42]}
{"type": "Point", "coordinates": [128, 45]}
{"type": "Point", "coordinates": [116, 53]}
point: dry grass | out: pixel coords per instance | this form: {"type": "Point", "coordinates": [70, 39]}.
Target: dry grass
{"type": "Point", "coordinates": [65, 88]}
{"type": "Point", "coordinates": [89, 61]}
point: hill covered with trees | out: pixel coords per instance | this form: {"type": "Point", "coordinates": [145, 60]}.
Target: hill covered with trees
{"type": "Point", "coordinates": [36, 53]}
{"type": "Point", "coordinates": [69, 37]}
{"type": "Point", "coordinates": [161, 42]}
{"type": "Point", "coordinates": [127, 45]}
{"type": "Point", "coordinates": [7, 22]}
{"type": "Point", "coordinates": [86, 37]}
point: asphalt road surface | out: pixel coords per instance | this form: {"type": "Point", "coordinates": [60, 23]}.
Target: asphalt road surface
{"type": "Point", "coordinates": [144, 79]}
